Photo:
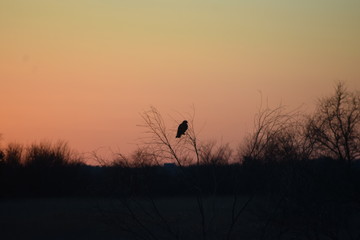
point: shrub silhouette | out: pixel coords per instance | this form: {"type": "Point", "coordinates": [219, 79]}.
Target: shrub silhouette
{"type": "Point", "coordinates": [12, 155]}
{"type": "Point", "coordinates": [45, 155]}
{"type": "Point", "coordinates": [43, 169]}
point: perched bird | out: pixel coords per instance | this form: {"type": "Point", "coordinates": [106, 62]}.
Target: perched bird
{"type": "Point", "coordinates": [182, 129]}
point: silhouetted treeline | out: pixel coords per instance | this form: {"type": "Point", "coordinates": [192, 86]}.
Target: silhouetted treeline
{"type": "Point", "coordinates": [326, 178]}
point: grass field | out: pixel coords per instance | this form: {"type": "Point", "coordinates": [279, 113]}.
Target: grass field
{"type": "Point", "coordinates": [53, 219]}
{"type": "Point", "coordinates": [160, 218]}
{"type": "Point", "coordinates": [109, 218]}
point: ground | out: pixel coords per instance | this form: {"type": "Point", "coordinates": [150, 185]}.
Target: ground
{"type": "Point", "coordinates": [149, 218]}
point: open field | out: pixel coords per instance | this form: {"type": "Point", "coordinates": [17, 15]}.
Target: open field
{"type": "Point", "coordinates": [163, 218]}
{"type": "Point", "coordinates": [52, 219]}
{"type": "Point", "coordinates": [82, 218]}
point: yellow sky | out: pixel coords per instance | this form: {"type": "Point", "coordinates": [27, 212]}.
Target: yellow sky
{"type": "Point", "coordinates": [83, 70]}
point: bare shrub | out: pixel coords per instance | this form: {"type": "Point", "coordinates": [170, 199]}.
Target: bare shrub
{"type": "Point", "coordinates": [211, 154]}
{"type": "Point", "coordinates": [141, 157]}
{"type": "Point", "coordinates": [13, 154]}
{"type": "Point", "coordinates": [46, 154]}
{"type": "Point", "coordinates": [121, 160]}
{"type": "Point", "coordinates": [144, 157]}
{"type": "Point", "coordinates": [278, 135]}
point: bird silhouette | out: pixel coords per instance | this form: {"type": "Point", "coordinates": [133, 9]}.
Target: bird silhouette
{"type": "Point", "coordinates": [182, 129]}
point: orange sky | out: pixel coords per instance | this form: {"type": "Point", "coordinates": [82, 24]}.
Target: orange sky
{"type": "Point", "coordinates": [83, 70]}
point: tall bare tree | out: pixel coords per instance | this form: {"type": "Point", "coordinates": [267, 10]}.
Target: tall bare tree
{"type": "Point", "coordinates": [335, 125]}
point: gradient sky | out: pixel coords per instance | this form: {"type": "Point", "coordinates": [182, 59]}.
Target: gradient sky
{"type": "Point", "coordinates": [83, 70]}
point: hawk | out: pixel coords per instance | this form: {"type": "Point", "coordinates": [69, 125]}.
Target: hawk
{"type": "Point", "coordinates": [182, 129]}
